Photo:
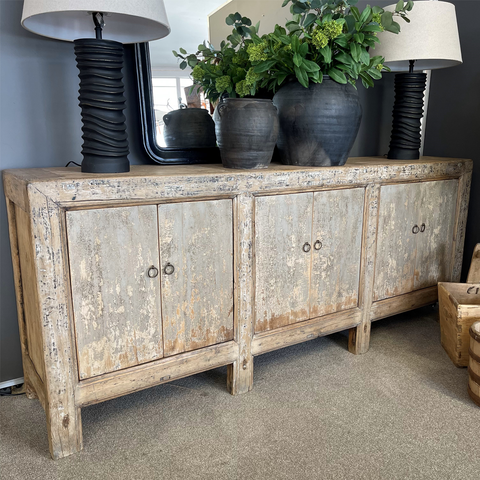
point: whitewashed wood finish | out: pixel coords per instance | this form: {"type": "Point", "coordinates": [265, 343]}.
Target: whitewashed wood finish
{"type": "Point", "coordinates": [44, 194]}
{"type": "Point", "coordinates": [399, 212]}
{"type": "Point", "coordinates": [196, 238]}
{"type": "Point", "coordinates": [474, 270]}
{"type": "Point", "coordinates": [337, 224]}
{"type": "Point", "coordinates": [283, 224]}
{"type": "Point", "coordinates": [116, 305]}
{"type": "Point", "coordinates": [434, 245]}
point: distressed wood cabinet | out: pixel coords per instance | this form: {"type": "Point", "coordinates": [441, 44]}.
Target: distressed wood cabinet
{"type": "Point", "coordinates": [131, 280]}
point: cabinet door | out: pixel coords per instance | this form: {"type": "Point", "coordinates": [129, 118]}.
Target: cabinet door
{"type": "Point", "coordinates": [435, 239]}
{"type": "Point", "coordinates": [283, 225]}
{"type": "Point", "coordinates": [116, 304]}
{"type": "Point", "coordinates": [337, 244]}
{"type": "Point", "coordinates": [396, 242]}
{"type": "Point", "coordinates": [196, 252]}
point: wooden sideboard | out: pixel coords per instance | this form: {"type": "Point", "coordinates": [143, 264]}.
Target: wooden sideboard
{"type": "Point", "coordinates": [125, 281]}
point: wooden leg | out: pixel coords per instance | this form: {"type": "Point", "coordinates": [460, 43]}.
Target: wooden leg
{"type": "Point", "coordinates": [240, 377]}
{"type": "Point", "coordinates": [359, 338]}
{"type": "Point", "coordinates": [64, 431]}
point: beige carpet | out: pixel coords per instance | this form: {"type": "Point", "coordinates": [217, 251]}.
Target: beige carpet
{"type": "Point", "coordinates": [316, 412]}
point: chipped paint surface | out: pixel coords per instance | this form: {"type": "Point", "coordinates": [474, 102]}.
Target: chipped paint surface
{"type": "Point", "coordinates": [196, 238]}
{"type": "Point", "coordinates": [110, 252]}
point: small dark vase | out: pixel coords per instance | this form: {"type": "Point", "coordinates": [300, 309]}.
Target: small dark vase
{"type": "Point", "coordinates": [189, 128]}
{"type": "Point", "coordinates": [247, 130]}
{"type": "Point", "coordinates": [318, 124]}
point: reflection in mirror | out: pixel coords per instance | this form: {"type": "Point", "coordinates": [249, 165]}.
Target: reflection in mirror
{"type": "Point", "coordinates": [164, 87]}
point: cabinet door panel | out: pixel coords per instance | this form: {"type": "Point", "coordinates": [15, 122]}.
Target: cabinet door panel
{"type": "Point", "coordinates": [196, 238]}
{"type": "Point", "coordinates": [116, 305]}
{"type": "Point", "coordinates": [396, 244]}
{"type": "Point", "coordinates": [283, 224]}
{"type": "Point", "coordinates": [337, 224]}
{"type": "Point", "coordinates": [437, 212]}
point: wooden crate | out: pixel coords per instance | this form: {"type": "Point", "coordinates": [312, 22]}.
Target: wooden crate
{"type": "Point", "coordinates": [459, 310]}
{"type": "Point", "coordinates": [474, 364]}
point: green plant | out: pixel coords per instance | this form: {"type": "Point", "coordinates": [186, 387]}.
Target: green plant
{"type": "Point", "coordinates": [325, 37]}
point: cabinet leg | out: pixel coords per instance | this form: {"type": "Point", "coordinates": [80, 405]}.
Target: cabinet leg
{"type": "Point", "coordinates": [240, 377]}
{"type": "Point", "coordinates": [359, 338]}
{"type": "Point", "coordinates": [64, 431]}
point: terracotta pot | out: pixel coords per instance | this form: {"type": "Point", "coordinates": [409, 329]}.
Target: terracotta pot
{"type": "Point", "coordinates": [247, 130]}
{"type": "Point", "coordinates": [318, 124]}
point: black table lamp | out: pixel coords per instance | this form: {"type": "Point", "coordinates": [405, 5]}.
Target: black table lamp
{"type": "Point", "coordinates": [100, 61]}
{"type": "Point", "coordinates": [428, 42]}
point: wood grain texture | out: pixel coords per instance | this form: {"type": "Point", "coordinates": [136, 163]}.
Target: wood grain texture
{"type": "Point", "coordinates": [196, 238]}
{"type": "Point", "coordinates": [337, 225]}
{"type": "Point", "coordinates": [61, 377]}
{"type": "Point", "coordinates": [459, 305]}
{"type": "Point", "coordinates": [403, 303]}
{"type": "Point", "coordinates": [30, 295]}
{"type": "Point", "coordinates": [304, 331]}
{"type": "Point", "coordinates": [29, 383]}
{"type": "Point", "coordinates": [434, 244]}
{"type": "Point", "coordinates": [283, 225]}
{"type": "Point", "coordinates": [474, 365]}
{"type": "Point", "coordinates": [474, 270]}
{"type": "Point", "coordinates": [396, 243]}
{"type": "Point", "coordinates": [240, 372]}
{"type": "Point", "coordinates": [112, 385]}
{"type": "Point", "coordinates": [359, 337]}
{"type": "Point", "coordinates": [116, 305]}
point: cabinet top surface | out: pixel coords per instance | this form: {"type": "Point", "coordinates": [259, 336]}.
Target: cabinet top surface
{"type": "Point", "coordinates": [55, 174]}
{"type": "Point", "coordinates": [150, 183]}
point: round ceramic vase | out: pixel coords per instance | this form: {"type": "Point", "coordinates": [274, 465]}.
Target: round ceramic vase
{"type": "Point", "coordinates": [247, 130]}
{"type": "Point", "coordinates": [318, 124]}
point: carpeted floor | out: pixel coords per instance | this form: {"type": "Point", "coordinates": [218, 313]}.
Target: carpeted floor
{"type": "Point", "coordinates": [316, 412]}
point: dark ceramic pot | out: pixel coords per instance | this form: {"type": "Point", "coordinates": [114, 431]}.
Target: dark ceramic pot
{"type": "Point", "coordinates": [247, 130]}
{"type": "Point", "coordinates": [189, 128]}
{"type": "Point", "coordinates": [318, 124]}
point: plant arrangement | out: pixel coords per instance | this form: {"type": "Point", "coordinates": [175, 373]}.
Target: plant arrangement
{"type": "Point", "coordinates": [325, 37]}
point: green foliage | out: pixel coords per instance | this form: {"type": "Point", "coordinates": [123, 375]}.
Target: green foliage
{"type": "Point", "coordinates": [325, 37]}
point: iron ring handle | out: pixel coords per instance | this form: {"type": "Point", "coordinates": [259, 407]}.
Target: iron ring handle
{"type": "Point", "coordinates": [152, 272]}
{"type": "Point", "coordinates": [306, 247]}
{"type": "Point", "coordinates": [169, 269]}
{"type": "Point", "coordinates": [422, 227]}
{"type": "Point", "coordinates": [317, 245]}
{"type": "Point", "coordinates": [415, 229]}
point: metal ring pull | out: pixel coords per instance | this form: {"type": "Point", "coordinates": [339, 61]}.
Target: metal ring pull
{"type": "Point", "coordinates": [169, 269]}
{"type": "Point", "coordinates": [307, 247]}
{"type": "Point", "coordinates": [415, 229]}
{"type": "Point", "coordinates": [152, 272]}
{"type": "Point", "coordinates": [317, 245]}
{"type": "Point", "coordinates": [422, 227]}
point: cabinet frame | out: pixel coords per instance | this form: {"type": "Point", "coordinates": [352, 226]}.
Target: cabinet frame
{"type": "Point", "coordinates": [44, 195]}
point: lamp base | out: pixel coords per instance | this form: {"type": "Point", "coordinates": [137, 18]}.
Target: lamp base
{"type": "Point", "coordinates": [406, 139]}
{"type": "Point", "coordinates": [105, 146]}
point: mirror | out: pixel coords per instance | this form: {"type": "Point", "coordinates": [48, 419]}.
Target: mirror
{"type": "Point", "coordinates": [163, 86]}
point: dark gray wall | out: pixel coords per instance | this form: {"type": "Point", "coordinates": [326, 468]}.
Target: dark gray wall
{"type": "Point", "coordinates": [40, 126]}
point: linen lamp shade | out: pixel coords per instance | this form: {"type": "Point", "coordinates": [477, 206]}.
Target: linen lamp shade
{"type": "Point", "coordinates": [126, 21]}
{"type": "Point", "coordinates": [431, 38]}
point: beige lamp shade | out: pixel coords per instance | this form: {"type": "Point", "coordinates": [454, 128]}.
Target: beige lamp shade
{"type": "Point", "coordinates": [126, 21]}
{"type": "Point", "coordinates": [431, 38]}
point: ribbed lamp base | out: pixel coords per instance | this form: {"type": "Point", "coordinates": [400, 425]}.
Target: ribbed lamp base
{"type": "Point", "coordinates": [102, 101]}
{"type": "Point", "coordinates": [406, 139]}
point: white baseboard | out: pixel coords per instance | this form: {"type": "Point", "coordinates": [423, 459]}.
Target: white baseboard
{"type": "Point", "coordinates": [11, 383]}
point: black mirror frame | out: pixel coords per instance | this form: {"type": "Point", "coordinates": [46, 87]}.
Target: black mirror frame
{"type": "Point", "coordinates": [164, 156]}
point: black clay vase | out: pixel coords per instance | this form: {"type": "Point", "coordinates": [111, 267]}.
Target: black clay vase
{"type": "Point", "coordinates": [318, 124]}
{"type": "Point", "coordinates": [247, 130]}
{"type": "Point", "coordinates": [189, 128]}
